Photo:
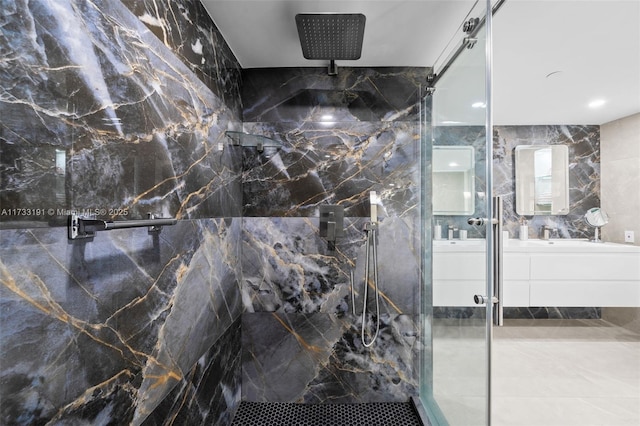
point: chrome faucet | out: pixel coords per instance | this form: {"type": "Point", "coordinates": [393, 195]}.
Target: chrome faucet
{"type": "Point", "coordinates": [546, 231]}
{"type": "Point", "coordinates": [450, 231]}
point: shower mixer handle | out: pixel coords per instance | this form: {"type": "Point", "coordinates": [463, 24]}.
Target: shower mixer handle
{"type": "Point", "coordinates": [373, 206]}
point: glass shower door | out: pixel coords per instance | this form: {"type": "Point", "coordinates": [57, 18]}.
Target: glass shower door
{"type": "Point", "coordinates": [455, 387]}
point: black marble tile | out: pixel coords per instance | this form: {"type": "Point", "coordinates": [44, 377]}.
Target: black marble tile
{"type": "Point", "coordinates": [186, 28]}
{"type": "Point", "coordinates": [310, 94]}
{"type": "Point", "coordinates": [520, 312]}
{"type": "Point", "coordinates": [326, 360]}
{"type": "Point", "coordinates": [210, 393]}
{"type": "Point", "coordinates": [553, 313]}
{"type": "Point", "coordinates": [287, 266]}
{"type": "Point", "coordinates": [99, 114]}
{"type": "Point", "coordinates": [106, 328]}
{"type": "Point", "coordinates": [333, 164]}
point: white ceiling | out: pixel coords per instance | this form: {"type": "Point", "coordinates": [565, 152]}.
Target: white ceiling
{"type": "Point", "coordinates": [595, 44]}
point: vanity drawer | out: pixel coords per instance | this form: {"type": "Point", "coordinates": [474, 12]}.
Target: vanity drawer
{"type": "Point", "coordinates": [459, 266]}
{"type": "Point", "coordinates": [585, 293]}
{"type": "Point", "coordinates": [586, 266]}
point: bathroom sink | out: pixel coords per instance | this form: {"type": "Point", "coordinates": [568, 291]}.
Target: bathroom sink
{"type": "Point", "coordinates": [472, 244]}
{"type": "Point", "coordinates": [579, 245]}
{"type": "Point", "coordinates": [467, 242]}
{"type": "Point", "coordinates": [563, 242]}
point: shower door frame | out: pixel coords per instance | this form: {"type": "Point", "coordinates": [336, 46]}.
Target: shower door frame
{"type": "Point", "coordinates": [427, 391]}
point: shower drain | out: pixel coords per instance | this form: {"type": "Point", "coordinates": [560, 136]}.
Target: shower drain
{"type": "Point", "coordinates": [292, 414]}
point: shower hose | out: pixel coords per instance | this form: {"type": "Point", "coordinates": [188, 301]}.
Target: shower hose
{"type": "Point", "coordinates": [370, 248]}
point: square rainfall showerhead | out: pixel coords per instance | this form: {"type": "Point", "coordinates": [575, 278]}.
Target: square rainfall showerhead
{"type": "Point", "coordinates": [333, 36]}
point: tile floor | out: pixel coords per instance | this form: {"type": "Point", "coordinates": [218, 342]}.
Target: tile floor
{"type": "Point", "coordinates": [565, 372]}
{"type": "Point", "coordinates": [545, 373]}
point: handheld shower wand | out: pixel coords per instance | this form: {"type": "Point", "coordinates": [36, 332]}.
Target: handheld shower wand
{"type": "Point", "coordinates": [371, 228]}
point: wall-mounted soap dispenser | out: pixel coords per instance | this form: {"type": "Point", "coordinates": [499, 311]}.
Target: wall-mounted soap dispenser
{"type": "Point", "coordinates": [331, 224]}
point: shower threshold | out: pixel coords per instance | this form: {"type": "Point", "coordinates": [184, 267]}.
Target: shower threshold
{"type": "Point", "coordinates": [357, 414]}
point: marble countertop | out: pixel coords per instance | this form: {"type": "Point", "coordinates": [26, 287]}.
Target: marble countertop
{"type": "Point", "coordinates": [535, 245]}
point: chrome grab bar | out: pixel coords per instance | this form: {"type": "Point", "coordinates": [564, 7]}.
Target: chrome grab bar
{"type": "Point", "coordinates": [80, 227]}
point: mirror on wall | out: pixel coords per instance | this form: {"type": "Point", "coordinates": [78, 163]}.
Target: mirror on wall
{"type": "Point", "coordinates": [453, 180]}
{"type": "Point", "coordinates": [542, 179]}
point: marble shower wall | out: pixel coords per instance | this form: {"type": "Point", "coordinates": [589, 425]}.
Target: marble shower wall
{"type": "Point", "coordinates": [101, 114]}
{"type": "Point", "coordinates": [105, 329]}
{"type": "Point", "coordinates": [341, 137]}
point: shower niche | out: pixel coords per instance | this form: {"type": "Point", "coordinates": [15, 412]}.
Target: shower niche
{"type": "Point", "coordinates": [247, 140]}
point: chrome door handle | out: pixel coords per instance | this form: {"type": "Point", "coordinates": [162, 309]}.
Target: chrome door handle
{"type": "Point", "coordinates": [481, 300]}
{"type": "Point", "coordinates": [481, 221]}
{"type": "Point", "coordinates": [496, 233]}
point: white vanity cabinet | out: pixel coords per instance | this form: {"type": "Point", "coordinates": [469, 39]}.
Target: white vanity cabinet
{"type": "Point", "coordinates": [559, 273]}
{"type": "Point", "coordinates": [459, 270]}
{"type": "Point", "coordinates": [459, 273]}
{"type": "Point", "coordinates": [601, 277]}
{"type": "Point", "coordinates": [516, 274]}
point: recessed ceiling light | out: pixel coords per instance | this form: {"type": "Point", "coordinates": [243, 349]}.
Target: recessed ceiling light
{"type": "Point", "coordinates": [327, 117]}
{"type": "Point", "coordinates": [479, 105]}
{"type": "Point", "coordinates": [597, 103]}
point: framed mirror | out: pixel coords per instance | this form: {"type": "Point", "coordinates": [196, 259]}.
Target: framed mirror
{"type": "Point", "coordinates": [542, 179]}
{"type": "Point", "coordinates": [453, 180]}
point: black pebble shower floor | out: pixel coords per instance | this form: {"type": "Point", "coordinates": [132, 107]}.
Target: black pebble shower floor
{"type": "Point", "coordinates": [290, 414]}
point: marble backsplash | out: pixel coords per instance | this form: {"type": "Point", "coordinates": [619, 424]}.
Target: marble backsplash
{"type": "Point", "coordinates": [583, 143]}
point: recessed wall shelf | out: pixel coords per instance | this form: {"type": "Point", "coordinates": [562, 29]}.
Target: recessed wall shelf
{"type": "Point", "coordinates": [250, 140]}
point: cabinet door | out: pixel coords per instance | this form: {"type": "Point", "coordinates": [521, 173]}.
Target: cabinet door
{"type": "Point", "coordinates": [516, 272]}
